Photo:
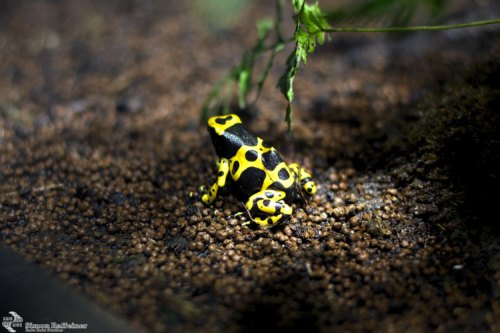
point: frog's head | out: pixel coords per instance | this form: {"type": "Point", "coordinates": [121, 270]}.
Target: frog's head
{"type": "Point", "coordinates": [219, 124]}
{"type": "Point", "coordinates": [225, 132]}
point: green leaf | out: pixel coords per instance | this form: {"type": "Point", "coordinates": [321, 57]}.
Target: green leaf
{"type": "Point", "coordinates": [243, 87]}
{"type": "Point", "coordinates": [285, 83]}
{"type": "Point", "coordinates": [264, 26]}
{"type": "Point", "coordinates": [286, 80]}
{"type": "Point", "coordinates": [297, 5]}
{"type": "Point", "coordinates": [288, 116]}
{"type": "Point", "coordinates": [310, 23]}
{"type": "Point", "coordinates": [313, 19]}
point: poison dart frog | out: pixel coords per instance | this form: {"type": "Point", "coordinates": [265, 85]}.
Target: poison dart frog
{"type": "Point", "coordinates": [260, 177]}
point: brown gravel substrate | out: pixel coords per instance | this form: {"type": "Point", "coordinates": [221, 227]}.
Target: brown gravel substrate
{"type": "Point", "coordinates": [100, 148]}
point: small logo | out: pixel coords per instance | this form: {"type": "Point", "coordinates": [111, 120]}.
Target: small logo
{"type": "Point", "coordinates": [12, 322]}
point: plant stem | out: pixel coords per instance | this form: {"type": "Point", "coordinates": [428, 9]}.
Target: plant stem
{"type": "Point", "coordinates": [416, 28]}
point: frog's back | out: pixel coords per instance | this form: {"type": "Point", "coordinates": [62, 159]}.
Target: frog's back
{"type": "Point", "coordinates": [260, 167]}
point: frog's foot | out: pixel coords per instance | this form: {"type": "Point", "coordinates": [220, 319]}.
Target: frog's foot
{"type": "Point", "coordinates": [267, 208]}
{"type": "Point", "coordinates": [208, 196]}
{"type": "Point", "coordinates": [309, 185]}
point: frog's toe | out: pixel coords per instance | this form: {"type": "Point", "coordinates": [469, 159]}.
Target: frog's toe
{"type": "Point", "coordinates": [205, 198]}
{"type": "Point", "coordinates": [310, 187]}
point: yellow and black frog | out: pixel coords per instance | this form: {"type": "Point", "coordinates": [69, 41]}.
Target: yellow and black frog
{"type": "Point", "coordinates": [259, 175]}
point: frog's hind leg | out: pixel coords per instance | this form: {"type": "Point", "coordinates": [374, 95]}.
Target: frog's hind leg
{"type": "Point", "coordinates": [304, 177]}
{"type": "Point", "coordinates": [268, 208]}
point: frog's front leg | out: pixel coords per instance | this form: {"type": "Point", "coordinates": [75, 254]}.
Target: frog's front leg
{"type": "Point", "coordinates": [222, 173]}
{"type": "Point", "coordinates": [267, 208]}
{"type": "Point", "coordinates": [304, 177]}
